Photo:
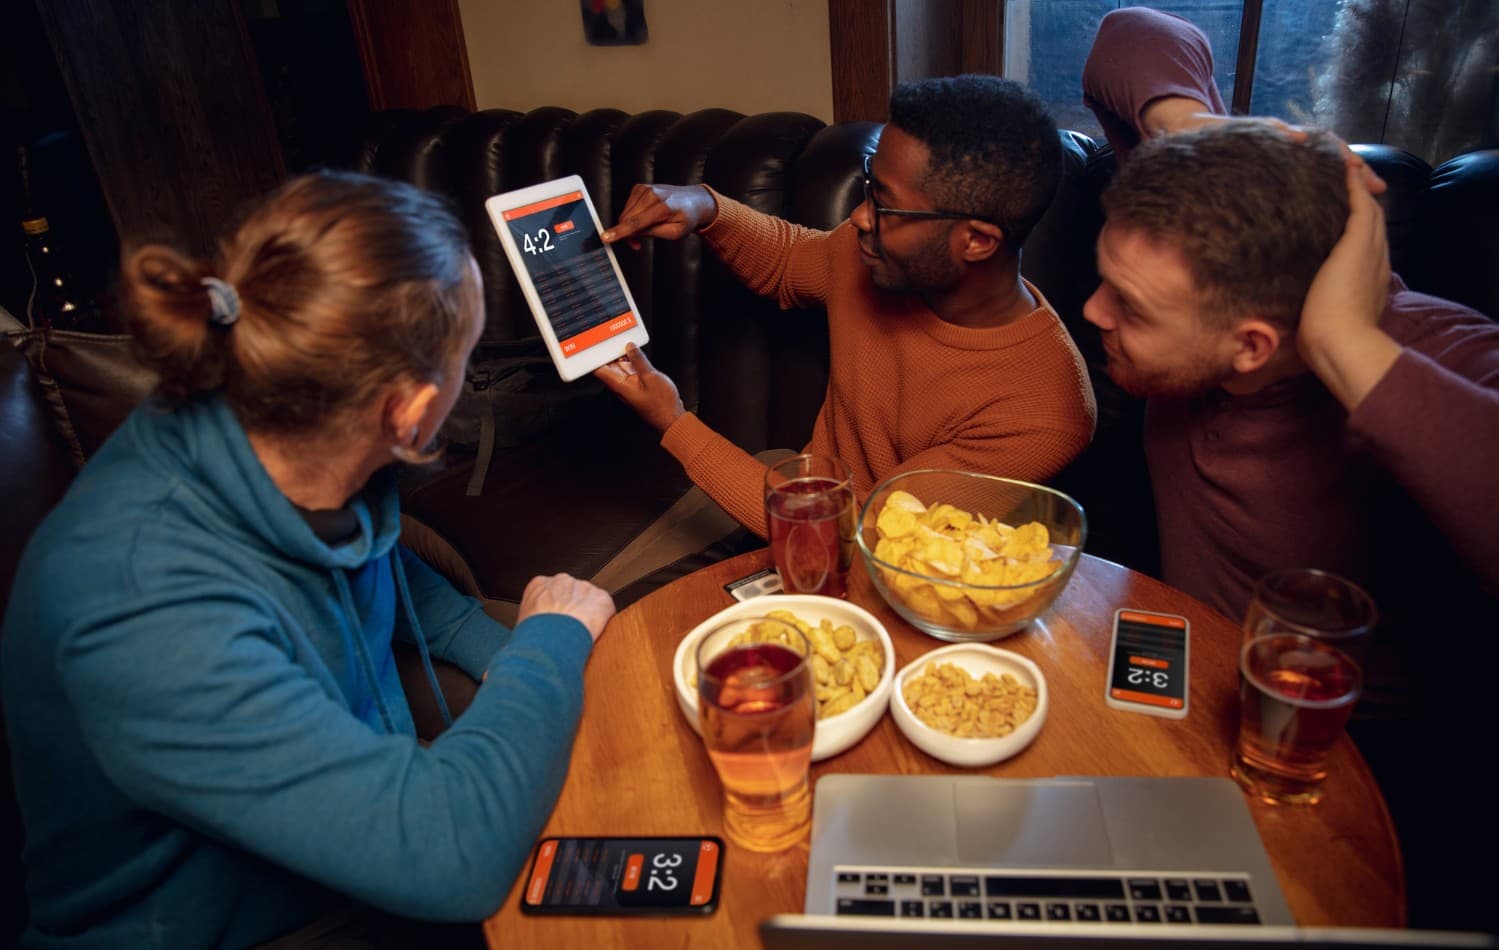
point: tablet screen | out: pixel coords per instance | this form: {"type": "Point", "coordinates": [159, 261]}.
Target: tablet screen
{"type": "Point", "coordinates": [571, 271]}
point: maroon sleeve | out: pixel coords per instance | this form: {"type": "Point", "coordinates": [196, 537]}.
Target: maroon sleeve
{"type": "Point", "coordinates": [1138, 56]}
{"type": "Point", "coordinates": [1433, 422]}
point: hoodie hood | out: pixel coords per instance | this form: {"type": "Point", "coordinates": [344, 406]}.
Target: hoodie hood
{"type": "Point", "coordinates": [205, 439]}
{"type": "Point", "coordinates": [211, 472]}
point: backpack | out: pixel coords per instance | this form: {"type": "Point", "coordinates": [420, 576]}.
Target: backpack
{"type": "Point", "coordinates": [510, 396]}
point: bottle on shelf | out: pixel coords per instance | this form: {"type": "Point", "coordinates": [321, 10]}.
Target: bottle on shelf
{"type": "Point", "coordinates": [55, 299]}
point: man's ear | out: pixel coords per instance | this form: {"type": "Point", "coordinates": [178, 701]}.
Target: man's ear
{"type": "Point", "coordinates": [406, 408]}
{"type": "Point", "coordinates": [981, 240]}
{"type": "Point", "coordinates": [1255, 341]}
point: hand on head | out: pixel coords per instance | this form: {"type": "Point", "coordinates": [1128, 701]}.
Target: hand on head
{"type": "Point", "coordinates": [1370, 181]}
{"type": "Point", "coordinates": [1339, 336]}
{"type": "Point", "coordinates": [1175, 114]}
{"type": "Point", "coordinates": [1352, 287]}
{"type": "Point", "coordinates": [647, 390]}
{"type": "Point", "coordinates": [565, 594]}
{"type": "Point", "coordinates": [662, 211]}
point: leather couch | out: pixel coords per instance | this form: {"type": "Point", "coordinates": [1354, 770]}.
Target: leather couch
{"type": "Point", "coordinates": [574, 496]}
{"type": "Point", "coordinates": [570, 497]}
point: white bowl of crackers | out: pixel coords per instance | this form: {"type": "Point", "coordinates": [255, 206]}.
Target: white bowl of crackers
{"type": "Point", "coordinates": [969, 557]}
{"type": "Point", "coordinates": [970, 704]}
{"type": "Point", "coordinates": [853, 663]}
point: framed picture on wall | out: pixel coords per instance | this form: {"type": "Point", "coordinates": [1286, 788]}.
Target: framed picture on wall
{"type": "Point", "coordinates": [614, 22]}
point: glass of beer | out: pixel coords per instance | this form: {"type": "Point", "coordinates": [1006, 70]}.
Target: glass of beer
{"type": "Point", "coordinates": [810, 514]}
{"type": "Point", "coordinates": [1299, 677]}
{"type": "Point", "coordinates": [757, 712]}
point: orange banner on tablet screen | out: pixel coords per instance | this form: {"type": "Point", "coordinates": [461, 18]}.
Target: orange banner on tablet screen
{"type": "Point", "coordinates": [571, 196]}
{"type": "Point", "coordinates": [595, 335]}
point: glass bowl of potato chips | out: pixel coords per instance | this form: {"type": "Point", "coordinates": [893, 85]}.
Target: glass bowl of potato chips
{"type": "Point", "coordinates": [969, 557]}
{"type": "Point", "coordinates": [970, 704]}
{"type": "Point", "coordinates": [853, 662]}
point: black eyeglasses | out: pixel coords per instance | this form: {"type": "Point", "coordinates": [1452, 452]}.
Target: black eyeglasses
{"type": "Point", "coordinates": [879, 209]}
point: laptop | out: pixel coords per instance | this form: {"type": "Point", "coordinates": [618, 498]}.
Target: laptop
{"type": "Point", "coordinates": [1071, 863]}
{"type": "Point", "coordinates": [1082, 850]}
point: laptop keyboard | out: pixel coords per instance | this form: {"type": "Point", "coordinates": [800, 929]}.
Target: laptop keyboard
{"type": "Point", "coordinates": [1093, 898]}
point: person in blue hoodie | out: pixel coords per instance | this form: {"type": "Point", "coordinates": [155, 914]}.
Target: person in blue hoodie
{"type": "Point", "coordinates": [211, 745]}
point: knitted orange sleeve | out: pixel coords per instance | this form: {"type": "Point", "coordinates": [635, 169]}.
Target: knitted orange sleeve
{"type": "Point", "coordinates": [733, 478]}
{"type": "Point", "coordinates": [773, 257]}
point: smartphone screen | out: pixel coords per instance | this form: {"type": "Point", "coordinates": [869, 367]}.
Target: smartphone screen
{"type": "Point", "coordinates": [624, 876]}
{"type": "Point", "coordinates": [1149, 664]}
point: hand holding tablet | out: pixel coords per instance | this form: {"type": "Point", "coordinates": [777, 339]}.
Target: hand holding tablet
{"type": "Point", "coordinates": [569, 276]}
{"type": "Point", "coordinates": [647, 390]}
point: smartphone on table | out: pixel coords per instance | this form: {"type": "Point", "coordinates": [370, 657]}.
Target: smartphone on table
{"type": "Point", "coordinates": [1148, 663]}
{"type": "Point", "coordinates": [621, 876]}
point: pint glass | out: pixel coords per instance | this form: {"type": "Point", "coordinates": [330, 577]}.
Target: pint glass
{"type": "Point", "coordinates": [810, 514]}
{"type": "Point", "coordinates": [757, 711]}
{"type": "Point", "coordinates": [1299, 677]}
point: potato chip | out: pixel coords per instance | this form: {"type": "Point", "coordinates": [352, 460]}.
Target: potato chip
{"type": "Point", "coordinates": [904, 501]}
{"type": "Point", "coordinates": [896, 522]}
{"type": "Point", "coordinates": [944, 542]}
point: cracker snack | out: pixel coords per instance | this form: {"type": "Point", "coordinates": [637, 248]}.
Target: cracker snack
{"type": "Point", "coordinates": [952, 549]}
{"type": "Point", "coordinates": [846, 668]}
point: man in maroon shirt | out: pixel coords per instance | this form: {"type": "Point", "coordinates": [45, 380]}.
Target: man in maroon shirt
{"type": "Point", "coordinates": [1300, 412]}
{"type": "Point", "coordinates": [1305, 409]}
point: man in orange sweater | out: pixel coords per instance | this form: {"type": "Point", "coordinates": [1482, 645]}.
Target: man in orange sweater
{"type": "Point", "coordinates": [942, 355]}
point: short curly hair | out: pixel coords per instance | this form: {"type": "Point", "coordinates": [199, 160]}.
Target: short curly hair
{"type": "Point", "coordinates": [995, 150]}
{"type": "Point", "coordinates": [1252, 212]}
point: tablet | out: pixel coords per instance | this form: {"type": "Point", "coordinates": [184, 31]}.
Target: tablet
{"type": "Point", "coordinates": [568, 274]}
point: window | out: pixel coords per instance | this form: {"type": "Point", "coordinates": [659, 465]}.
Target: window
{"type": "Point", "coordinates": [1414, 74]}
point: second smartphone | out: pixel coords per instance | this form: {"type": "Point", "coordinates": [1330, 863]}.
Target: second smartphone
{"type": "Point", "coordinates": [1148, 663]}
{"type": "Point", "coordinates": [618, 876]}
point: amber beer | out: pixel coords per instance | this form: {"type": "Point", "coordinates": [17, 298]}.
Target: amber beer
{"type": "Point", "coordinates": [1296, 694]}
{"type": "Point", "coordinates": [811, 525]}
{"type": "Point", "coordinates": [1299, 678]}
{"type": "Point", "coordinates": [810, 515]}
{"type": "Point", "coordinates": [757, 713]}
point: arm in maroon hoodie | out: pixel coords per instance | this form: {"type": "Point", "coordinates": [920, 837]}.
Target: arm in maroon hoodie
{"type": "Point", "coordinates": [1419, 377]}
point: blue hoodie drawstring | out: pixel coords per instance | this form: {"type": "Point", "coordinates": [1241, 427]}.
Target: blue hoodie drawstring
{"type": "Point", "coordinates": [404, 592]}
{"type": "Point", "coordinates": [346, 599]}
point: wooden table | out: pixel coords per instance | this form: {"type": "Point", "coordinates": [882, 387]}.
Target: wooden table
{"type": "Point", "coordinates": [639, 769]}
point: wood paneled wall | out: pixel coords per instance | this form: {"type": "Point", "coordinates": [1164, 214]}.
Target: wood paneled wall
{"type": "Point", "coordinates": [414, 54]}
{"type": "Point", "coordinates": [876, 44]}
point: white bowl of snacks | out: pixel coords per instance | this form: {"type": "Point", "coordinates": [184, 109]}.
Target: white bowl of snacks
{"type": "Point", "coordinates": [970, 704]}
{"type": "Point", "coordinates": [849, 645]}
{"type": "Point", "coordinates": [969, 557]}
